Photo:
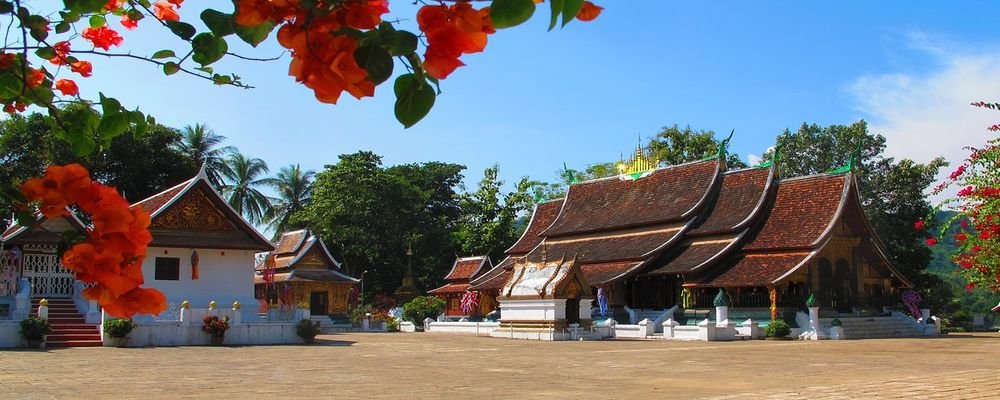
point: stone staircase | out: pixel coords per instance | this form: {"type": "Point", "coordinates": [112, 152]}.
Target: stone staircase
{"type": "Point", "coordinates": [874, 327]}
{"type": "Point", "coordinates": [69, 329]}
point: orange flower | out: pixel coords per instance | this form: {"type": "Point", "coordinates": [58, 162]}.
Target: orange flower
{"type": "Point", "coordinates": [128, 22]}
{"type": "Point", "coordinates": [253, 12]}
{"type": "Point", "coordinates": [84, 68]}
{"type": "Point", "coordinates": [59, 187]}
{"type": "Point", "coordinates": [67, 87]}
{"type": "Point", "coordinates": [589, 12]}
{"type": "Point", "coordinates": [165, 11]}
{"type": "Point", "coordinates": [7, 60]}
{"type": "Point", "coordinates": [176, 2]}
{"type": "Point", "coordinates": [363, 14]}
{"type": "Point", "coordinates": [62, 51]}
{"type": "Point", "coordinates": [35, 77]}
{"type": "Point", "coordinates": [452, 31]}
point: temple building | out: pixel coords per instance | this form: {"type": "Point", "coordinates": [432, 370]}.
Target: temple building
{"type": "Point", "coordinates": [464, 270]}
{"type": "Point", "coordinates": [302, 270]}
{"type": "Point", "coordinates": [656, 237]}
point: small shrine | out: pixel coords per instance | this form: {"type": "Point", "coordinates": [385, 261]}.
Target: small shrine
{"type": "Point", "coordinates": [302, 270]}
{"type": "Point", "coordinates": [459, 301]}
{"type": "Point", "coordinates": [546, 300]}
{"type": "Point", "coordinates": [408, 289]}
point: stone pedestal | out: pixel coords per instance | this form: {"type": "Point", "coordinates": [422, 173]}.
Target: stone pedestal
{"type": "Point", "coordinates": [722, 315]}
{"type": "Point", "coordinates": [816, 333]}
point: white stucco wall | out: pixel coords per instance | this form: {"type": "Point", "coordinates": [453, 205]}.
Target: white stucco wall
{"type": "Point", "coordinates": [224, 276]}
{"type": "Point", "coordinates": [10, 335]}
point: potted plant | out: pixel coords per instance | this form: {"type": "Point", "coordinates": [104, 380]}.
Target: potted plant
{"type": "Point", "coordinates": [836, 329]}
{"type": "Point", "coordinates": [34, 329]}
{"type": "Point", "coordinates": [216, 327]}
{"type": "Point", "coordinates": [307, 330]}
{"type": "Point", "coordinates": [777, 330]}
{"type": "Point", "coordinates": [118, 330]}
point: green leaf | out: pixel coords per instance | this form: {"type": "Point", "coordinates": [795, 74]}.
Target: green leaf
{"type": "Point", "coordinates": [46, 53]}
{"type": "Point", "coordinates": [376, 61]}
{"type": "Point", "coordinates": [97, 21]}
{"type": "Point", "coordinates": [222, 79]}
{"type": "Point", "coordinates": [38, 27]}
{"type": "Point", "coordinates": [570, 10]}
{"type": "Point", "coordinates": [6, 7]}
{"type": "Point", "coordinates": [182, 29]}
{"type": "Point", "coordinates": [62, 27]}
{"type": "Point", "coordinates": [208, 48]}
{"type": "Point", "coordinates": [113, 124]}
{"type": "Point", "coordinates": [508, 13]}
{"type": "Point", "coordinates": [557, 8]}
{"type": "Point", "coordinates": [414, 99]}
{"type": "Point", "coordinates": [218, 22]}
{"type": "Point", "coordinates": [135, 15]}
{"type": "Point", "coordinates": [207, 70]}
{"type": "Point", "coordinates": [402, 43]}
{"type": "Point", "coordinates": [69, 16]}
{"type": "Point", "coordinates": [10, 86]}
{"type": "Point", "coordinates": [85, 6]}
{"type": "Point", "coordinates": [171, 68]}
{"type": "Point", "coordinates": [254, 35]}
{"type": "Point", "coordinates": [164, 54]}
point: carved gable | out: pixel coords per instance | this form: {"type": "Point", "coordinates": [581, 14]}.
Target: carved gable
{"type": "Point", "coordinates": [193, 212]}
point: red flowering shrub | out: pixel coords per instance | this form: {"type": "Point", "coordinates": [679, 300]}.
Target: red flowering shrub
{"type": "Point", "coordinates": [214, 325]}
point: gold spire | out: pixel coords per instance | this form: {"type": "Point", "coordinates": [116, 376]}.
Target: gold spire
{"type": "Point", "coordinates": [639, 163]}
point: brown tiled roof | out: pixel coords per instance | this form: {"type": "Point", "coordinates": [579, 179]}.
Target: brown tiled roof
{"type": "Point", "coordinates": [290, 242]}
{"type": "Point", "coordinates": [694, 255]}
{"type": "Point", "coordinates": [601, 273]}
{"type": "Point", "coordinates": [543, 216]}
{"type": "Point", "coordinates": [739, 196]}
{"type": "Point", "coordinates": [802, 211]}
{"type": "Point", "coordinates": [758, 269]}
{"type": "Point", "coordinates": [465, 268]}
{"type": "Point", "coordinates": [632, 245]}
{"type": "Point", "coordinates": [308, 275]}
{"type": "Point", "coordinates": [451, 288]}
{"type": "Point", "coordinates": [153, 203]}
{"type": "Point", "coordinates": [495, 278]}
{"type": "Point", "coordinates": [668, 194]}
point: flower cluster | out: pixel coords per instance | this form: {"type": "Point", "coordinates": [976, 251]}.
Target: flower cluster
{"type": "Point", "coordinates": [214, 325]}
{"type": "Point", "coordinates": [977, 234]}
{"type": "Point", "coordinates": [115, 247]}
{"type": "Point", "coordinates": [452, 31]}
{"type": "Point", "coordinates": [322, 51]}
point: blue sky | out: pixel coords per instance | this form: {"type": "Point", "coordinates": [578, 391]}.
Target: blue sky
{"type": "Point", "coordinates": [582, 95]}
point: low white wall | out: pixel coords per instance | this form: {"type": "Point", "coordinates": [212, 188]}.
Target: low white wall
{"type": "Point", "coordinates": [685, 332]}
{"type": "Point", "coordinates": [178, 334]}
{"type": "Point", "coordinates": [469, 328]}
{"type": "Point", "coordinates": [533, 310]}
{"type": "Point", "coordinates": [10, 335]}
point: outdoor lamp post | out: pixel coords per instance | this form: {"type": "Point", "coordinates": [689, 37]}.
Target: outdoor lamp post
{"type": "Point", "coordinates": [361, 296]}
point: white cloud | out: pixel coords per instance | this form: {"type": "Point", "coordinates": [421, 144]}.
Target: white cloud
{"type": "Point", "coordinates": [753, 159]}
{"type": "Point", "coordinates": [926, 115]}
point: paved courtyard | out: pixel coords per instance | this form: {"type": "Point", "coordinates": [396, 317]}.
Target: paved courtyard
{"type": "Point", "coordinates": [425, 365]}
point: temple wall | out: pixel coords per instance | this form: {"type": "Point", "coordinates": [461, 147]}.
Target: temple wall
{"type": "Point", "coordinates": [224, 276]}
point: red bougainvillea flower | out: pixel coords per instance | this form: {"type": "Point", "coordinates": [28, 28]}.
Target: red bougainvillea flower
{"type": "Point", "coordinates": [165, 11]}
{"type": "Point", "coordinates": [589, 12]}
{"type": "Point", "coordinates": [7, 60]}
{"type": "Point", "coordinates": [970, 287]}
{"type": "Point", "coordinates": [102, 37]}
{"type": "Point", "coordinates": [931, 241]}
{"type": "Point", "coordinates": [35, 77]}
{"type": "Point", "coordinates": [452, 31]}
{"type": "Point", "coordinates": [963, 223]}
{"type": "Point", "coordinates": [60, 186]}
{"type": "Point", "coordinates": [966, 191]}
{"type": "Point", "coordinates": [176, 2]}
{"type": "Point", "coordinates": [62, 51]}
{"type": "Point", "coordinates": [112, 5]}
{"type": "Point", "coordinates": [919, 224]}
{"type": "Point", "coordinates": [128, 22]}
{"type": "Point", "coordinates": [14, 107]}
{"type": "Point", "coordinates": [960, 237]}
{"type": "Point", "coordinates": [84, 68]}
{"type": "Point", "coordinates": [253, 12]}
{"type": "Point", "coordinates": [958, 172]}
{"type": "Point", "coordinates": [67, 87]}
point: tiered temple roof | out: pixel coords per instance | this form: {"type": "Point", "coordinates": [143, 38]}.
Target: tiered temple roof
{"type": "Point", "coordinates": [462, 272]}
{"type": "Point", "coordinates": [301, 256]}
{"type": "Point", "coordinates": [717, 228]}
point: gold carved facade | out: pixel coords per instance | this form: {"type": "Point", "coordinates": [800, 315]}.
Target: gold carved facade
{"type": "Point", "coordinates": [194, 211]}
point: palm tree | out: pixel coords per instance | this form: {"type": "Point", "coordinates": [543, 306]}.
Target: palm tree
{"type": "Point", "coordinates": [294, 187]}
{"type": "Point", "coordinates": [243, 178]}
{"type": "Point", "coordinates": [201, 145]}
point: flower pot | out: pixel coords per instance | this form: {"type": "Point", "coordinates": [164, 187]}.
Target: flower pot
{"type": "Point", "coordinates": [34, 343]}
{"type": "Point", "coordinates": [119, 341]}
{"type": "Point", "coordinates": [217, 340]}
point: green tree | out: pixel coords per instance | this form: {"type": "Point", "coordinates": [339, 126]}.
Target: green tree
{"type": "Point", "coordinates": [294, 188]}
{"type": "Point", "coordinates": [244, 177]}
{"type": "Point", "coordinates": [203, 146]}
{"type": "Point", "coordinates": [673, 145]}
{"type": "Point", "coordinates": [373, 214]}
{"type": "Point", "coordinates": [892, 192]}
{"type": "Point", "coordinates": [489, 223]}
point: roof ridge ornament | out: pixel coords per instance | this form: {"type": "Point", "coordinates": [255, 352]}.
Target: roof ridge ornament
{"type": "Point", "coordinates": [569, 174]}
{"type": "Point", "coordinates": [723, 148]}
{"type": "Point", "coordinates": [639, 166]}
{"type": "Point", "coordinates": [775, 156]}
{"type": "Point", "coordinates": [852, 161]}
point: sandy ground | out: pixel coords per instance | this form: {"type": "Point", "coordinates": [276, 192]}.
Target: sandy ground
{"type": "Point", "coordinates": [427, 365]}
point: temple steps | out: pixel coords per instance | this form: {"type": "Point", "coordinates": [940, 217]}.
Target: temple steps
{"type": "Point", "coordinates": [874, 327]}
{"type": "Point", "coordinates": [69, 327]}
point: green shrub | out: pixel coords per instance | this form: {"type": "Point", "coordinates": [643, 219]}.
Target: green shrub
{"type": "Point", "coordinates": [392, 325]}
{"type": "Point", "coordinates": [358, 312]}
{"type": "Point", "coordinates": [119, 328]}
{"type": "Point", "coordinates": [421, 308]}
{"type": "Point", "coordinates": [836, 322]}
{"type": "Point", "coordinates": [777, 328]}
{"type": "Point", "coordinates": [33, 328]}
{"type": "Point", "coordinates": [307, 329]}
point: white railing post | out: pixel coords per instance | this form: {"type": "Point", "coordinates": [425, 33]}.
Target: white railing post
{"type": "Point", "coordinates": [237, 314]}
{"type": "Point", "coordinates": [43, 308]}
{"type": "Point", "coordinates": [185, 313]}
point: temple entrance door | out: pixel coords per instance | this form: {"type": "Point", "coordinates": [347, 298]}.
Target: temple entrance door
{"type": "Point", "coordinates": [317, 303]}
{"type": "Point", "coordinates": [573, 311]}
